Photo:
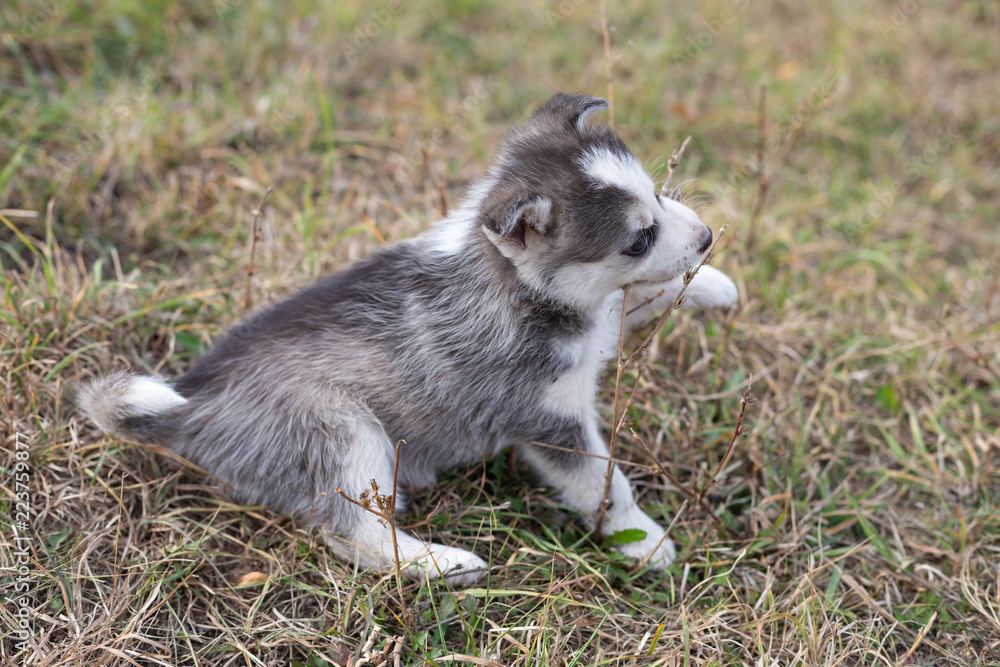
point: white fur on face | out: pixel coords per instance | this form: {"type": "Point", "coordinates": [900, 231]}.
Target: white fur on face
{"type": "Point", "coordinates": [586, 286]}
{"type": "Point", "coordinates": [679, 236]}
{"type": "Point", "coordinates": [622, 171]}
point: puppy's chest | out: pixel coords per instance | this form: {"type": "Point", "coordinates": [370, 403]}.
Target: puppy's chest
{"type": "Point", "coordinates": [571, 392]}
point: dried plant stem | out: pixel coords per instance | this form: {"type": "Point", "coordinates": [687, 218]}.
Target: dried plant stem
{"type": "Point", "coordinates": [118, 525]}
{"type": "Point", "coordinates": [442, 198]}
{"type": "Point", "coordinates": [765, 177]}
{"type": "Point", "coordinates": [623, 414]}
{"type": "Point", "coordinates": [608, 65]}
{"type": "Point", "coordinates": [385, 510]}
{"type": "Point", "coordinates": [737, 432]}
{"type": "Point", "coordinates": [646, 302]}
{"type": "Point", "coordinates": [692, 495]}
{"type": "Point", "coordinates": [991, 291]}
{"type": "Point", "coordinates": [614, 415]}
{"type": "Point", "coordinates": [672, 163]}
{"type": "Point", "coordinates": [392, 524]}
{"type": "Point", "coordinates": [375, 231]}
{"type": "Point", "coordinates": [571, 450]}
{"type": "Point", "coordinates": [616, 422]}
{"type": "Point", "coordinates": [254, 237]}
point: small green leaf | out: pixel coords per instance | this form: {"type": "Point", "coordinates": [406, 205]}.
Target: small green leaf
{"type": "Point", "coordinates": [625, 537]}
{"type": "Point", "coordinates": [189, 341]}
{"type": "Point", "coordinates": [56, 539]}
{"type": "Point", "coordinates": [830, 594]}
{"type": "Point", "coordinates": [886, 397]}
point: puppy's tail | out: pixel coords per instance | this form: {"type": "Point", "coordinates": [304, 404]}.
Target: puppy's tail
{"type": "Point", "coordinates": [131, 406]}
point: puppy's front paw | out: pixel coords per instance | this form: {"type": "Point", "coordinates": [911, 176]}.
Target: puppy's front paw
{"type": "Point", "coordinates": [712, 288]}
{"type": "Point", "coordinates": [659, 549]}
{"type": "Point", "coordinates": [458, 567]}
{"type": "Point", "coordinates": [656, 545]}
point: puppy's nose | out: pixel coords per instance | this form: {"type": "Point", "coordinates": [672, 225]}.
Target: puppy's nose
{"type": "Point", "coordinates": [706, 241]}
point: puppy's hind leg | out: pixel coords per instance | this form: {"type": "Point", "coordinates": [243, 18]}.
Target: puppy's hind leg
{"type": "Point", "coordinates": [362, 535]}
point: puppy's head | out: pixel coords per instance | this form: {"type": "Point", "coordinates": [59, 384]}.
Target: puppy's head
{"type": "Point", "coordinates": [576, 213]}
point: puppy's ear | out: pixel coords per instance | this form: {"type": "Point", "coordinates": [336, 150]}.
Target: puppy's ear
{"type": "Point", "coordinates": [570, 111]}
{"type": "Point", "coordinates": [508, 219]}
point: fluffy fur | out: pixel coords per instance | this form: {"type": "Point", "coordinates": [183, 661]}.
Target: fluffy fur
{"type": "Point", "coordinates": [490, 330]}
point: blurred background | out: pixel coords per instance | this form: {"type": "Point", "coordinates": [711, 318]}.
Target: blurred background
{"type": "Point", "coordinates": [851, 150]}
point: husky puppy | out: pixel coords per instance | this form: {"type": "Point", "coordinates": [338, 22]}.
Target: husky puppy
{"type": "Point", "coordinates": [488, 331]}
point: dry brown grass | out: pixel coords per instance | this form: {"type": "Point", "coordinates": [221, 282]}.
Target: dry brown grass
{"type": "Point", "coordinates": [856, 523]}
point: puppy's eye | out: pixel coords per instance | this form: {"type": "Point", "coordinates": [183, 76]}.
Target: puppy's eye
{"type": "Point", "coordinates": [642, 243]}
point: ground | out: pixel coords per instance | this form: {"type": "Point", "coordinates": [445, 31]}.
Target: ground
{"type": "Point", "coordinates": [852, 150]}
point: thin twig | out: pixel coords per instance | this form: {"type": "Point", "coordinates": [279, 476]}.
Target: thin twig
{"type": "Point", "coordinates": [608, 65]}
{"type": "Point", "coordinates": [991, 291]}
{"type": "Point", "coordinates": [737, 432]}
{"type": "Point", "coordinates": [254, 237]}
{"type": "Point", "coordinates": [646, 302]}
{"type": "Point", "coordinates": [121, 506]}
{"type": "Point", "coordinates": [614, 414]}
{"type": "Point", "coordinates": [395, 545]}
{"type": "Point", "coordinates": [692, 495]}
{"type": "Point", "coordinates": [763, 178]}
{"type": "Point", "coordinates": [572, 450]}
{"type": "Point", "coordinates": [375, 231]}
{"type": "Point", "coordinates": [621, 54]}
{"type": "Point", "coordinates": [385, 510]}
{"type": "Point", "coordinates": [442, 199]}
{"type": "Point", "coordinates": [675, 159]}
{"type": "Point", "coordinates": [617, 423]}
{"type": "Point", "coordinates": [623, 414]}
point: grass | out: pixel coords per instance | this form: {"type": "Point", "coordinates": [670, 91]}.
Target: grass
{"type": "Point", "coordinates": [856, 523]}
